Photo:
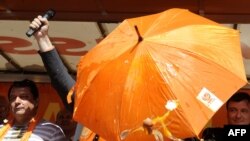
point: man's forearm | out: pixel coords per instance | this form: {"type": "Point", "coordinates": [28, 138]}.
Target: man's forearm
{"type": "Point", "coordinates": [45, 44]}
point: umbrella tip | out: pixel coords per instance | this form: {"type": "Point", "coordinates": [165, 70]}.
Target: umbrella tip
{"type": "Point", "coordinates": [138, 33]}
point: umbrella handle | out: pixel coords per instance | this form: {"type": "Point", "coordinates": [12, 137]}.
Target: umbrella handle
{"type": "Point", "coordinates": [138, 33]}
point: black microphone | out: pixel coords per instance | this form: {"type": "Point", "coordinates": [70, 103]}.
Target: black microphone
{"type": "Point", "coordinates": [48, 15]}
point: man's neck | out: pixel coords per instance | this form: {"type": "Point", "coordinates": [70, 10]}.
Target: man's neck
{"type": "Point", "coordinates": [22, 120]}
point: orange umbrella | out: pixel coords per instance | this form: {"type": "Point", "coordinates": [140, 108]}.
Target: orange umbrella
{"type": "Point", "coordinates": [158, 76]}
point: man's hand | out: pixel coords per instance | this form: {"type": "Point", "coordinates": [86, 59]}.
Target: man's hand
{"type": "Point", "coordinates": [36, 23]}
{"type": "Point", "coordinates": [42, 34]}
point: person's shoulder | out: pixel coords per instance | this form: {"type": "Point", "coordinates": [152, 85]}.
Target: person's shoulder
{"type": "Point", "coordinates": [213, 130]}
{"type": "Point", "coordinates": [48, 124]}
{"type": "Point", "coordinates": [191, 139]}
{"type": "Point", "coordinates": [48, 131]}
{"type": "Point", "coordinates": [215, 133]}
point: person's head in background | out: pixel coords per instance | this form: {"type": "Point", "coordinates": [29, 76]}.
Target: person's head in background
{"type": "Point", "coordinates": [65, 120]}
{"type": "Point", "coordinates": [23, 98]}
{"type": "Point", "coordinates": [4, 109]}
{"type": "Point", "coordinates": [238, 109]}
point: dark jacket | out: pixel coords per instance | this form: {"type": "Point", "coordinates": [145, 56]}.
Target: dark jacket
{"type": "Point", "coordinates": [60, 78]}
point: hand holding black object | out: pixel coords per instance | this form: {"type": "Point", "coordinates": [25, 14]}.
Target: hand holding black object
{"type": "Point", "coordinates": [48, 15]}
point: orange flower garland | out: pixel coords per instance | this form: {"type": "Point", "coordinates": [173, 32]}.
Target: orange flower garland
{"type": "Point", "coordinates": [31, 126]}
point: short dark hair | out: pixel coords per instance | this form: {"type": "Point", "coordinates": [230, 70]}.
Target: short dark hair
{"type": "Point", "coordinates": [239, 96]}
{"type": "Point", "coordinates": [25, 83]}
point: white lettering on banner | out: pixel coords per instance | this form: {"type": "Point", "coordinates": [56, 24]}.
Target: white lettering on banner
{"type": "Point", "coordinates": [209, 99]}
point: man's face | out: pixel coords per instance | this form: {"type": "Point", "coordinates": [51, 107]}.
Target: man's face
{"type": "Point", "coordinates": [22, 102]}
{"type": "Point", "coordinates": [238, 113]}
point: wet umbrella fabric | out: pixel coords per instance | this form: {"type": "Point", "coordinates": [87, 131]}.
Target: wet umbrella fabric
{"type": "Point", "coordinates": [149, 61]}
